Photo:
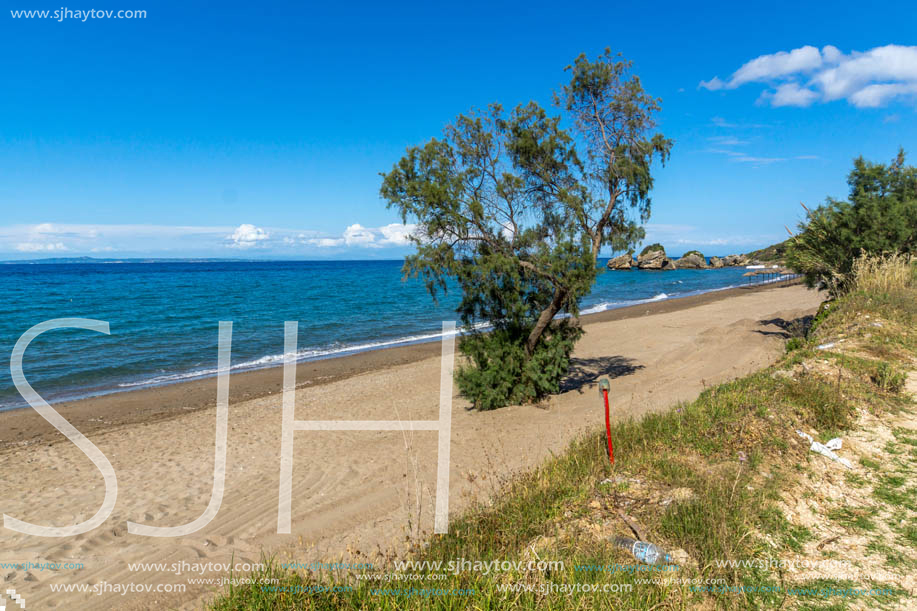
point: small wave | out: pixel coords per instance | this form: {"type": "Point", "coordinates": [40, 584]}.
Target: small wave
{"type": "Point", "coordinates": [613, 305]}
{"type": "Point", "coordinates": [302, 355]}
{"type": "Point", "coordinates": [320, 353]}
{"type": "Point", "coordinates": [601, 307]}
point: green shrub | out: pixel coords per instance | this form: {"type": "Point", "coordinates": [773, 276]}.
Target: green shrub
{"type": "Point", "coordinates": [879, 219]}
{"type": "Point", "coordinates": [652, 248]}
{"type": "Point", "coordinates": [501, 373]}
{"type": "Point", "coordinates": [504, 209]}
{"type": "Point", "coordinates": [888, 378]}
{"type": "Point", "coordinates": [824, 310]}
{"type": "Point", "coordinates": [794, 343]}
{"type": "Point", "coordinates": [820, 403]}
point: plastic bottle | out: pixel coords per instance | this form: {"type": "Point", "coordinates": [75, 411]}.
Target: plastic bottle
{"type": "Point", "coordinates": [647, 553]}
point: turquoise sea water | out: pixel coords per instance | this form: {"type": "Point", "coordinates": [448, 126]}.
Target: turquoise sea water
{"type": "Point", "coordinates": [164, 316]}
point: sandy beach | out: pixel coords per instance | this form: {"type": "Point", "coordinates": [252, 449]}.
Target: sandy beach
{"type": "Point", "coordinates": [354, 493]}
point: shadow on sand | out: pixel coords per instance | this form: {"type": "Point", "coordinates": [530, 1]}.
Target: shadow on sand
{"type": "Point", "coordinates": [798, 327]}
{"type": "Point", "coordinates": [587, 371]}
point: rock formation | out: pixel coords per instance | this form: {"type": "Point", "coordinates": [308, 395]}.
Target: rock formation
{"type": "Point", "coordinates": [692, 260]}
{"type": "Point", "coordinates": [735, 260]}
{"type": "Point", "coordinates": [652, 259]}
{"type": "Point", "coordinates": [625, 262]}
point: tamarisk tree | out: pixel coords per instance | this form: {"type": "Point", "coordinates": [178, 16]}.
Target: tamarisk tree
{"type": "Point", "coordinates": [515, 208]}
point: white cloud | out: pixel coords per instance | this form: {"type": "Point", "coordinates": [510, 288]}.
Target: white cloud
{"type": "Point", "coordinates": [743, 157]}
{"type": "Point", "coordinates": [714, 84]}
{"type": "Point", "coordinates": [508, 231]}
{"type": "Point", "coordinates": [727, 140]}
{"type": "Point", "coordinates": [706, 241]}
{"type": "Point", "coordinates": [397, 234]}
{"type": "Point", "coordinates": [831, 54]}
{"type": "Point", "coordinates": [325, 242]}
{"type": "Point", "coordinates": [692, 236]}
{"type": "Point", "coordinates": [179, 241]}
{"type": "Point", "coordinates": [803, 76]}
{"type": "Point", "coordinates": [791, 94]}
{"type": "Point", "coordinates": [873, 96]}
{"type": "Point", "coordinates": [783, 63]}
{"type": "Point", "coordinates": [758, 160]}
{"type": "Point", "coordinates": [38, 247]}
{"type": "Point", "coordinates": [358, 235]}
{"type": "Point", "coordinates": [247, 236]}
{"type": "Point", "coordinates": [663, 229]}
{"type": "Point", "coordinates": [51, 230]}
{"type": "Point", "coordinates": [891, 64]}
{"type": "Point", "coordinates": [88, 238]}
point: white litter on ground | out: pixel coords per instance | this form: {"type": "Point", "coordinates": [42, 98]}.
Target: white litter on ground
{"type": "Point", "coordinates": [826, 449]}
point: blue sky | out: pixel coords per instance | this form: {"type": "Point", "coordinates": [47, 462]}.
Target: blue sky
{"type": "Point", "coordinates": [259, 131]}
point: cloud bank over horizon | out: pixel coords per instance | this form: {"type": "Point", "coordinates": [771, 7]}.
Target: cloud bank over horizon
{"type": "Point", "coordinates": [248, 240]}
{"type": "Point", "coordinates": [67, 239]}
{"type": "Point", "coordinates": [805, 76]}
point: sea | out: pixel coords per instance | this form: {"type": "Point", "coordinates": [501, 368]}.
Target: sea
{"type": "Point", "coordinates": [163, 316]}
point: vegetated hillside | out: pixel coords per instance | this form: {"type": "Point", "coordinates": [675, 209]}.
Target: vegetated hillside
{"type": "Point", "coordinates": [775, 253]}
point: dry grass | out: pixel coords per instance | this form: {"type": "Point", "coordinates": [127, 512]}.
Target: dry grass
{"type": "Point", "coordinates": [884, 274]}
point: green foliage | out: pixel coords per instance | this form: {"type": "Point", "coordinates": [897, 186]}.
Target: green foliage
{"type": "Point", "coordinates": [652, 248]}
{"type": "Point", "coordinates": [769, 254]}
{"type": "Point", "coordinates": [694, 252]}
{"type": "Point", "coordinates": [501, 372]}
{"type": "Point", "coordinates": [824, 310]}
{"type": "Point", "coordinates": [514, 209]}
{"type": "Point", "coordinates": [888, 378]}
{"type": "Point", "coordinates": [794, 343]}
{"type": "Point", "coordinates": [880, 218]}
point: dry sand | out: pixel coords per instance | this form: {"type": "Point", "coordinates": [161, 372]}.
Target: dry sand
{"type": "Point", "coordinates": [352, 491]}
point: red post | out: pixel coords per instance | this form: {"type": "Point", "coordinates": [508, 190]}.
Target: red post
{"type": "Point", "coordinates": [604, 387]}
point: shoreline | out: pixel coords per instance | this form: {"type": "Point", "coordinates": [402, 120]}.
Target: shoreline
{"type": "Point", "coordinates": [355, 494]}
{"type": "Point", "coordinates": [270, 361]}
{"type": "Point", "coordinates": [114, 410]}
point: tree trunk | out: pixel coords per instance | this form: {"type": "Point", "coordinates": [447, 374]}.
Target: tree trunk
{"type": "Point", "coordinates": [544, 319]}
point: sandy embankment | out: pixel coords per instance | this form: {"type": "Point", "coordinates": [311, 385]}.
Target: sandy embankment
{"type": "Point", "coordinates": [351, 490]}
